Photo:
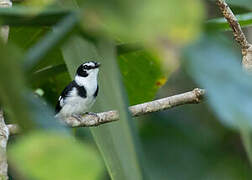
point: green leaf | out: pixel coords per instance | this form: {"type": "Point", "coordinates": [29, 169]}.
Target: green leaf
{"type": "Point", "coordinates": [241, 3]}
{"type": "Point", "coordinates": [142, 75]}
{"type": "Point", "coordinates": [20, 105]}
{"type": "Point", "coordinates": [24, 16]}
{"type": "Point", "coordinates": [131, 21]}
{"type": "Point", "coordinates": [26, 37]}
{"type": "Point", "coordinates": [228, 86]}
{"type": "Point", "coordinates": [115, 140]}
{"type": "Point", "coordinates": [215, 66]}
{"type": "Point", "coordinates": [12, 88]}
{"type": "Point", "coordinates": [50, 155]}
{"type": "Point", "coordinates": [245, 20]}
{"type": "Point", "coordinates": [50, 74]}
{"type": "Point", "coordinates": [52, 82]}
{"type": "Point", "coordinates": [38, 51]}
{"type": "Point", "coordinates": [127, 48]}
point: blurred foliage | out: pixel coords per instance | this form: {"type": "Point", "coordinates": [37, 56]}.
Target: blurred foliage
{"type": "Point", "coordinates": [50, 41]}
{"type": "Point", "coordinates": [130, 20]}
{"type": "Point", "coordinates": [12, 89]}
{"type": "Point", "coordinates": [49, 74]}
{"type": "Point", "coordinates": [32, 16]}
{"type": "Point", "coordinates": [51, 155]}
{"type": "Point", "coordinates": [233, 86]}
{"type": "Point", "coordinates": [142, 39]}
{"type": "Point", "coordinates": [242, 3]}
{"type": "Point", "coordinates": [41, 3]}
{"type": "Point", "coordinates": [229, 95]}
{"type": "Point", "coordinates": [142, 75]}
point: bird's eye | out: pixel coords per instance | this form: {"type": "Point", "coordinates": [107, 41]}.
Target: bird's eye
{"type": "Point", "coordinates": [85, 66]}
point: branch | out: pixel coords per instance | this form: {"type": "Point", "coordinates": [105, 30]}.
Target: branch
{"type": "Point", "coordinates": [191, 97]}
{"type": "Point", "coordinates": [88, 120]}
{"type": "Point", "coordinates": [4, 134]}
{"type": "Point", "coordinates": [230, 17]}
{"type": "Point", "coordinates": [4, 131]}
{"type": "Point", "coordinates": [238, 34]}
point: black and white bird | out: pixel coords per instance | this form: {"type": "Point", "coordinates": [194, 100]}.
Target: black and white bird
{"type": "Point", "coordinates": [79, 96]}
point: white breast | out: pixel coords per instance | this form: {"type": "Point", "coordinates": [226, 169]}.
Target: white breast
{"type": "Point", "coordinates": [74, 104]}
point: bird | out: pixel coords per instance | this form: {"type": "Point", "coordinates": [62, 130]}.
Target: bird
{"type": "Point", "coordinates": [80, 94]}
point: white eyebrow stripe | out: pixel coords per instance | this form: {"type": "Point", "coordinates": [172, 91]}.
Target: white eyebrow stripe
{"type": "Point", "coordinates": [90, 64]}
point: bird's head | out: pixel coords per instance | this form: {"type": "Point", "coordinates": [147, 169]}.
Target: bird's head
{"type": "Point", "coordinates": [87, 72]}
{"type": "Point", "coordinates": [89, 68]}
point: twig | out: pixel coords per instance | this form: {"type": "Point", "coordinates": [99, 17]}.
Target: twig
{"type": "Point", "coordinates": [4, 131]}
{"type": "Point", "coordinates": [238, 34]}
{"type": "Point", "coordinates": [190, 97]}
{"type": "Point", "coordinates": [4, 135]}
{"type": "Point", "coordinates": [230, 17]}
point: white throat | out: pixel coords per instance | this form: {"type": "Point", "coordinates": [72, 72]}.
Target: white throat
{"type": "Point", "coordinates": [89, 82]}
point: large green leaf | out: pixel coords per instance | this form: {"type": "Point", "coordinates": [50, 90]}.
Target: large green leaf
{"type": "Point", "coordinates": [41, 44]}
{"type": "Point", "coordinates": [215, 66]}
{"type": "Point", "coordinates": [26, 37]}
{"type": "Point", "coordinates": [115, 140]}
{"type": "Point", "coordinates": [50, 74]}
{"type": "Point", "coordinates": [23, 16]}
{"type": "Point", "coordinates": [12, 88]}
{"type": "Point", "coordinates": [49, 155]}
{"type": "Point", "coordinates": [50, 41]}
{"type": "Point", "coordinates": [242, 3]}
{"type": "Point", "coordinates": [178, 21]}
{"type": "Point", "coordinates": [20, 105]}
{"type": "Point", "coordinates": [142, 75]}
{"type": "Point", "coordinates": [221, 74]}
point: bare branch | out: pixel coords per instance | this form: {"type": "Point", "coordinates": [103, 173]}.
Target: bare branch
{"type": "Point", "coordinates": [4, 135]}
{"type": "Point", "coordinates": [4, 131]}
{"type": "Point", "coordinates": [88, 120]}
{"type": "Point", "coordinates": [191, 97]}
{"type": "Point", "coordinates": [238, 34]}
{"type": "Point", "coordinates": [234, 24]}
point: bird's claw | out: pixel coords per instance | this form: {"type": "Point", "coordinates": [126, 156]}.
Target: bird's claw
{"type": "Point", "coordinates": [78, 117]}
{"type": "Point", "coordinates": [92, 114]}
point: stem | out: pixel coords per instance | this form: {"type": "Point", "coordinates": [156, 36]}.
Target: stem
{"type": "Point", "coordinates": [239, 36]}
{"type": "Point", "coordinates": [4, 131]}
{"type": "Point", "coordinates": [192, 97]}
{"type": "Point", "coordinates": [4, 134]}
{"type": "Point", "coordinates": [88, 120]}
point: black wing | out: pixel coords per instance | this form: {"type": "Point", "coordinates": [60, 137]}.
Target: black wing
{"type": "Point", "coordinates": [63, 95]}
{"type": "Point", "coordinates": [96, 91]}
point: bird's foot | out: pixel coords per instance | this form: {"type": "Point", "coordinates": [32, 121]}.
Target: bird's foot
{"type": "Point", "coordinates": [92, 114]}
{"type": "Point", "coordinates": [78, 117]}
